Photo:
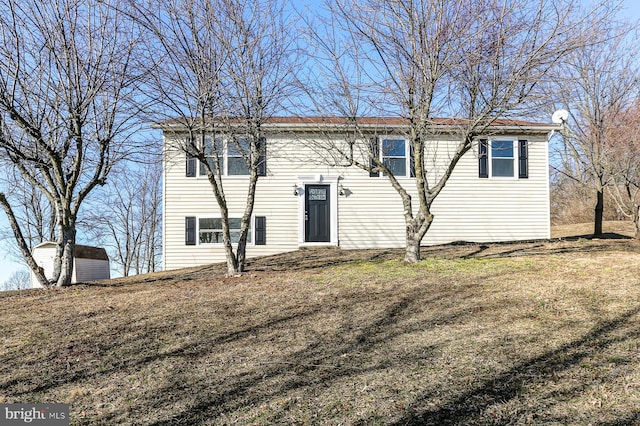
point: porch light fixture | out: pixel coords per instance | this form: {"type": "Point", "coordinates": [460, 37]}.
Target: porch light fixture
{"type": "Point", "coordinates": [296, 190]}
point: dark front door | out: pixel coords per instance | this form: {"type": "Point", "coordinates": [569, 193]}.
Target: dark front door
{"type": "Point", "coordinates": [317, 217]}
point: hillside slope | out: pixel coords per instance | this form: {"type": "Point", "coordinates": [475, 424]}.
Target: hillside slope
{"type": "Point", "coordinates": [540, 332]}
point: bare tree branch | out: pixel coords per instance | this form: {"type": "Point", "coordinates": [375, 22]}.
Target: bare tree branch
{"type": "Point", "coordinates": [69, 99]}
{"type": "Point", "coordinates": [419, 60]}
{"type": "Point", "coordinates": [227, 66]}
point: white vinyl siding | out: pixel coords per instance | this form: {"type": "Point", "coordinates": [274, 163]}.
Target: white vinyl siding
{"type": "Point", "coordinates": [371, 213]}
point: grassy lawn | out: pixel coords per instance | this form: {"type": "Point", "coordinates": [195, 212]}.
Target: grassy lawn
{"type": "Point", "coordinates": [527, 333]}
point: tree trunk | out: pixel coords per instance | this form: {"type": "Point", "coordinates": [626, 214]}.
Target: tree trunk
{"type": "Point", "coordinates": [599, 213]}
{"type": "Point", "coordinates": [241, 251]}
{"type": "Point", "coordinates": [415, 232]}
{"type": "Point", "coordinates": [412, 249]}
{"type": "Point", "coordinates": [636, 221]}
{"type": "Point", "coordinates": [233, 269]}
{"type": "Point", "coordinates": [67, 260]}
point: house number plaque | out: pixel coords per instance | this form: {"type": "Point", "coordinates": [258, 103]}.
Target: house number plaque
{"type": "Point", "coordinates": [317, 194]}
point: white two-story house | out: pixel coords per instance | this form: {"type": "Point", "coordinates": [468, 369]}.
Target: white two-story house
{"type": "Point", "coordinates": [499, 190]}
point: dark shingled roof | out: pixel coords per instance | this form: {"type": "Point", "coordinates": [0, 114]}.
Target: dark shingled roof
{"type": "Point", "coordinates": [88, 252]}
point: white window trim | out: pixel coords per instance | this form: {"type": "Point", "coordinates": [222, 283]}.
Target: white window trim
{"type": "Point", "coordinates": [225, 163]}
{"type": "Point", "coordinates": [515, 159]}
{"type": "Point", "coordinates": [252, 229]}
{"type": "Point", "coordinates": [319, 179]}
{"type": "Point", "coordinates": [407, 154]}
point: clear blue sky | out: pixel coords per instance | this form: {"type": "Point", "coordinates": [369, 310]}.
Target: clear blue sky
{"type": "Point", "coordinates": [631, 9]}
{"type": "Point", "coordinates": [7, 267]}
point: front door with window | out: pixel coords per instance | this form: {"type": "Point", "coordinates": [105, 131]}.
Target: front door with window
{"type": "Point", "coordinates": [317, 215]}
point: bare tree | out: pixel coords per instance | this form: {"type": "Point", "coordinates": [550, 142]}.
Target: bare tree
{"type": "Point", "coordinates": [224, 68]}
{"type": "Point", "coordinates": [18, 280]}
{"type": "Point", "coordinates": [596, 84]}
{"type": "Point", "coordinates": [570, 200]}
{"type": "Point", "coordinates": [127, 217]}
{"type": "Point", "coordinates": [67, 103]}
{"type": "Point", "coordinates": [33, 211]}
{"type": "Point", "coordinates": [478, 61]}
{"type": "Point", "coordinates": [623, 164]}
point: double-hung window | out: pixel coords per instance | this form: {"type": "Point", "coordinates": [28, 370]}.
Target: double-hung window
{"type": "Point", "coordinates": [231, 156]}
{"type": "Point", "coordinates": [396, 155]}
{"type": "Point", "coordinates": [503, 158]}
{"type": "Point", "coordinates": [238, 151]}
{"type": "Point", "coordinates": [212, 151]}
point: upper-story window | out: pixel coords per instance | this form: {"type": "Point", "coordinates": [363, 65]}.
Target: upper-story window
{"type": "Point", "coordinates": [230, 156]}
{"type": "Point", "coordinates": [212, 151]}
{"type": "Point", "coordinates": [237, 150]}
{"type": "Point", "coordinates": [503, 158]}
{"type": "Point", "coordinates": [394, 156]}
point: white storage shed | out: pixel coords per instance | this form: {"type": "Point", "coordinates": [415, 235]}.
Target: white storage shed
{"type": "Point", "coordinates": [90, 263]}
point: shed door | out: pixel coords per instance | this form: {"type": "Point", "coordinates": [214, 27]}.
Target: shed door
{"type": "Point", "coordinates": [317, 215]}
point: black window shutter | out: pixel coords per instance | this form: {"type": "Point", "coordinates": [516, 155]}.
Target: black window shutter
{"type": "Point", "coordinates": [191, 160]}
{"type": "Point", "coordinates": [375, 153]}
{"type": "Point", "coordinates": [523, 159]}
{"type": "Point", "coordinates": [483, 159]}
{"type": "Point", "coordinates": [261, 230]}
{"type": "Point", "coordinates": [190, 231]}
{"type": "Point", "coordinates": [262, 160]}
{"type": "Point", "coordinates": [191, 165]}
{"type": "Point", "coordinates": [412, 163]}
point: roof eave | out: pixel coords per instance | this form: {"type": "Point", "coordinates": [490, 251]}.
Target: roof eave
{"type": "Point", "coordinates": [319, 127]}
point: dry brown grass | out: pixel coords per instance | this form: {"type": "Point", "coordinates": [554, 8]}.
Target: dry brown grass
{"type": "Point", "coordinates": [528, 333]}
{"type": "Point", "coordinates": [611, 229]}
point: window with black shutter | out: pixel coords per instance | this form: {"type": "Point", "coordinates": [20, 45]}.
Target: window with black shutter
{"type": "Point", "coordinates": [191, 166]}
{"type": "Point", "coordinates": [375, 153]}
{"type": "Point", "coordinates": [483, 159]}
{"type": "Point", "coordinates": [192, 161]}
{"type": "Point", "coordinates": [261, 230]}
{"type": "Point", "coordinates": [412, 161]}
{"type": "Point", "coordinates": [190, 231]}
{"type": "Point", "coordinates": [262, 161]}
{"type": "Point", "coordinates": [523, 159]}
{"type": "Point", "coordinates": [499, 158]}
